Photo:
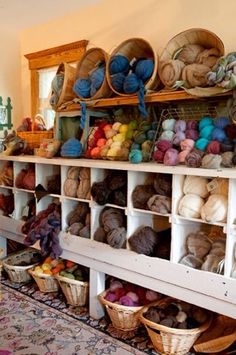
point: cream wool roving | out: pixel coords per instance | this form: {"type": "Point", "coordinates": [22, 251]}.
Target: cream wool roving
{"type": "Point", "coordinates": [190, 206]}
{"type": "Point", "coordinates": [215, 209]}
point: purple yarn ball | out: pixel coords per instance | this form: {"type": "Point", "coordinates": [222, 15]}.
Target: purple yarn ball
{"type": "Point", "coordinates": [180, 125]}
{"type": "Point", "coordinates": [192, 124]}
{"type": "Point", "coordinates": [192, 134]}
{"type": "Point", "coordinates": [171, 157]}
{"type": "Point", "coordinates": [178, 138]}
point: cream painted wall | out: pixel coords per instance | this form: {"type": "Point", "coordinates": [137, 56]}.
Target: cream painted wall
{"type": "Point", "coordinates": [109, 22]}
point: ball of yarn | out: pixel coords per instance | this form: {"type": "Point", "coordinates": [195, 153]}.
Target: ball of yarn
{"type": "Point", "coordinates": [182, 156]}
{"type": "Point", "coordinates": [171, 157]}
{"type": "Point", "coordinates": [222, 122]}
{"type": "Point", "coordinates": [180, 125]}
{"type": "Point", "coordinates": [191, 261]}
{"type": "Point", "coordinates": [198, 244]}
{"type": "Point", "coordinates": [167, 135]}
{"type": "Point", "coordinates": [215, 209]}
{"type": "Point", "coordinates": [118, 64]}
{"type": "Point", "coordinates": [231, 131]}
{"type": "Point", "coordinates": [201, 144]}
{"type": "Point", "coordinates": [206, 132]}
{"type": "Point", "coordinates": [227, 145]}
{"type": "Point", "coordinates": [178, 137]}
{"type": "Point", "coordinates": [168, 124]}
{"type": "Point", "coordinates": [82, 87]}
{"type": "Point", "coordinates": [163, 145]}
{"type": "Point", "coordinates": [194, 158]}
{"type": "Point", "coordinates": [144, 69]}
{"type": "Point", "coordinates": [71, 148]}
{"type": "Point", "coordinates": [116, 238]}
{"type": "Point", "coordinates": [192, 124]}
{"type": "Point", "coordinates": [213, 147]}
{"type": "Point", "coordinates": [187, 144]}
{"type": "Point", "coordinates": [190, 206]}
{"type": "Point", "coordinates": [97, 77]}
{"type": "Point", "coordinates": [211, 161]}
{"type": "Point", "coordinates": [135, 156]}
{"type": "Point", "coordinates": [192, 134]}
{"type": "Point", "coordinates": [70, 187]}
{"type": "Point", "coordinates": [196, 185]}
{"type": "Point", "coordinates": [117, 81]}
{"type": "Point", "coordinates": [143, 240]}
{"type": "Point", "coordinates": [160, 204]}
{"type": "Point", "coordinates": [218, 134]}
{"type": "Point", "coordinates": [158, 156]}
{"type": "Point", "coordinates": [221, 187]}
{"type": "Point", "coordinates": [227, 159]}
{"type": "Point", "coordinates": [205, 121]}
{"type": "Point", "coordinates": [131, 84]}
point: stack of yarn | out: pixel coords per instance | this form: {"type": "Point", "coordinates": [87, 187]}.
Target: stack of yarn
{"type": "Point", "coordinates": [87, 87]}
{"type": "Point", "coordinates": [127, 294]}
{"type": "Point", "coordinates": [204, 199]}
{"type": "Point", "coordinates": [209, 143]}
{"type": "Point", "coordinates": [112, 228]}
{"type": "Point", "coordinates": [155, 196]}
{"type": "Point", "coordinates": [203, 253]}
{"type": "Point", "coordinates": [26, 178]}
{"type": "Point", "coordinates": [189, 66]}
{"type": "Point", "coordinates": [77, 183]}
{"type": "Point", "coordinates": [223, 74]}
{"type": "Point", "coordinates": [6, 174]}
{"type": "Point", "coordinates": [78, 220]}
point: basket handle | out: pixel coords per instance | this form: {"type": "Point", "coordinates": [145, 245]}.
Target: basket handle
{"type": "Point", "coordinates": [40, 119]}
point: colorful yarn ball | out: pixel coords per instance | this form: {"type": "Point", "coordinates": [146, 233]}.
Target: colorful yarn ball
{"type": "Point", "coordinates": [187, 144]}
{"type": "Point", "coordinates": [82, 87]}
{"type": "Point", "coordinates": [206, 132]}
{"type": "Point", "coordinates": [231, 131]}
{"type": "Point", "coordinates": [144, 69]}
{"type": "Point", "coordinates": [192, 134]}
{"type": "Point", "coordinates": [201, 144]}
{"type": "Point", "coordinates": [164, 145]}
{"type": "Point", "coordinates": [169, 124]}
{"type": "Point", "coordinates": [227, 145]}
{"type": "Point", "coordinates": [135, 156]}
{"type": "Point", "coordinates": [180, 125]}
{"type": "Point", "coordinates": [218, 134]}
{"type": "Point", "coordinates": [222, 122]}
{"type": "Point", "coordinates": [205, 121]}
{"type": "Point", "coordinates": [211, 161]}
{"type": "Point", "coordinates": [117, 81]}
{"type": "Point", "coordinates": [158, 156]}
{"type": "Point", "coordinates": [192, 124]}
{"type": "Point", "coordinates": [118, 64]}
{"type": "Point", "coordinates": [131, 84]}
{"type": "Point", "coordinates": [213, 147]}
{"type": "Point", "coordinates": [167, 135]}
{"type": "Point", "coordinates": [97, 77]}
{"type": "Point", "coordinates": [171, 157]}
{"type": "Point", "coordinates": [178, 137]}
{"type": "Point", "coordinates": [194, 158]}
{"type": "Point", "coordinates": [71, 148]}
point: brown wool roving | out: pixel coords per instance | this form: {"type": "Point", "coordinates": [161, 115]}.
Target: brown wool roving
{"type": "Point", "coordinates": [85, 232]}
{"type": "Point", "coordinates": [211, 161]}
{"type": "Point", "coordinates": [100, 192]}
{"type": "Point", "coordinates": [160, 204]}
{"type": "Point", "coordinates": [116, 180]}
{"type": "Point", "coordinates": [73, 173]}
{"type": "Point", "coordinates": [163, 184]}
{"type": "Point", "coordinates": [198, 244]}
{"type": "Point", "coordinates": [191, 261]}
{"type": "Point", "coordinates": [141, 195]}
{"type": "Point", "coordinates": [144, 240]}
{"type": "Point", "coordinates": [162, 249]}
{"type": "Point", "coordinates": [70, 187]}
{"type": "Point", "coordinates": [118, 197]}
{"type": "Point", "coordinates": [75, 228]}
{"type": "Point", "coordinates": [112, 218]}
{"type": "Point", "coordinates": [100, 235]}
{"type": "Point", "coordinates": [211, 263]}
{"type": "Point", "coordinates": [117, 237]}
{"type": "Point", "coordinates": [227, 159]}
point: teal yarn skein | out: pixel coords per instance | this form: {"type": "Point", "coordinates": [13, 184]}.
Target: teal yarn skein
{"type": "Point", "coordinates": [135, 156]}
{"type": "Point", "coordinates": [206, 132]}
{"type": "Point", "coordinates": [205, 121]}
{"type": "Point", "coordinates": [201, 144]}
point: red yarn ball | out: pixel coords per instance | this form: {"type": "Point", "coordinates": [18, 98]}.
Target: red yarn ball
{"type": "Point", "coordinates": [163, 145]}
{"type": "Point", "coordinates": [158, 156]}
{"type": "Point", "coordinates": [213, 147]}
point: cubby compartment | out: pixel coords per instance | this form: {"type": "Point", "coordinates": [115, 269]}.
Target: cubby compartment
{"type": "Point", "coordinates": [150, 192]}
{"type": "Point", "coordinates": [43, 203]}
{"type": "Point", "coordinates": [49, 177]}
{"type": "Point", "coordinates": [7, 205]}
{"type": "Point", "coordinates": [76, 182]}
{"type": "Point", "coordinates": [25, 205]}
{"type": "Point", "coordinates": [24, 176]}
{"type": "Point", "coordinates": [109, 187]}
{"type": "Point", "coordinates": [76, 218]}
{"type": "Point", "coordinates": [6, 174]}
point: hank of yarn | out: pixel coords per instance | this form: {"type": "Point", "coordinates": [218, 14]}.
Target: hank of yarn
{"type": "Point", "coordinates": [180, 125]}
{"type": "Point", "coordinates": [205, 121]}
{"type": "Point", "coordinates": [135, 156]}
{"type": "Point", "coordinates": [167, 135]}
{"type": "Point", "coordinates": [211, 161]}
{"type": "Point", "coordinates": [192, 134]}
{"type": "Point", "coordinates": [178, 138]}
{"type": "Point", "coordinates": [195, 75]}
{"type": "Point", "coordinates": [163, 145]}
{"type": "Point", "coordinates": [119, 64]}
{"type": "Point", "coordinates": [160, 204]}
{"type": "Point", "coordinates": [170, 72]}
{"type": "Point", "coordinates": [82, 88]}
{"type": "Point", "coordinates": [169, 124]}
{"type": "Point", "coordinates": [171, 157]}
{"type": "Point", "coordinates": [187, 144]}
{"type": "Point", "coordinates": [192, 124]}
{"type": "Point", "coordinates": [208, 57]}
{"type": "Point", "coordinates": [158, 156]}
{"type": "Point", "coordinates": [194, 158]}
{"type": "Point", "coordinates": [196, 185]}
{"type": "Point", "coordinates": [213, 147]}
{"type": "Point", "coordinates": [227, 145]}
{"type": "Point", "coordinates": [188, 53]}
{"type": "Point", "coordinates": [218, 134]}
{"type": "Point", "coordinates": [190, 206]}
{"type": "Point", "coordinates": [144, 69]}
{"type": "Point", "coordinates": [201, 144]}
{"type": "Point", "coordinates": [117, 81]}
{"type": "Point", "coordinates": [221, 122]}
{"type": "Point", "coordinates": [227, 159]}
{"type": "Point", "coordinates": [215, 209]}
{"type": "Point", "coordinates": [206, 132]}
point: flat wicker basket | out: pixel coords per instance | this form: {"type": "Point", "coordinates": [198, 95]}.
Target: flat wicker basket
{"type": "Point", "coordinates": [46, 283]}
{"type": "Point", "coordinates": [19, 273]}
{"type": "Point", "coordinates": [76, 292]}
{"type": "Point", "coordinates": [136, 48]}
{"type": "Point", "coordinates": [122, 317]}
{"type": "Point", "coordinates": [34, 138]}
{"type": "Point", "coordinates": [167, 340]}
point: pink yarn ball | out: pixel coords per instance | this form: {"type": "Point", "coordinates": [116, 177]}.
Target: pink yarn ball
{"type": "Point", "coordinates": [158, 156]}
{"type": "Point", "coordinates": [114, 285]}
{"type": "Point", "coordinates": [192, 124]}
{"type": "Point", "coordinates": [178, 137]}
{"type": "Point", "coordinates": [133, 296]}
{"type": "Point", "coordinates": [163, 145]}
{"type": "Point", "coordinates": [127, 301]}
{"type": "Point", "coordinates": [111, 297]}
{"type": "Point", "coordinates": [152, 296]}
{"type": "Point", "coordinates": [182, 155]}
{"type": "Point", "coordinates": [213, 147]}
{"type": "Point", "coordinates": [187, 144]}
{"type": "Point", "coordinates": [192, 134]}
{"type": "Point", "coordinates": [171, 157]}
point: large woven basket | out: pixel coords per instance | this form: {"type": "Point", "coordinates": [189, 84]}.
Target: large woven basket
{"type": "Point", "coordinates": [34, 138]}
{"type": "Point", "coordinates": [85, 66]}
{"type": "Point", "coordinates": [136, 48]}
{"type": "Point", "coordinates": [192, 36]}
{"type": "Point", "coordinates": [122, 317]}
{"type": "Point", "coordinates": [67, 93]}
{"type": "Point", "coordinates": [46, 283]}
{"type": "Point", "coordinates": [167, 340]}
{"type": "Point", "coordinates": [19, 273]}
{"type": "Point", "coordinates": [76, 292]}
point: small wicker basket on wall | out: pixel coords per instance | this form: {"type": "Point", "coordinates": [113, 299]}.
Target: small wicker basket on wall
{"type": "Point", "coordinates": [136, 48]}
{"type": "Point", "coordinates": [76, 292]}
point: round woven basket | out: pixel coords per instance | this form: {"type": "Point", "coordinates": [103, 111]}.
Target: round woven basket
{"type": "Point", "coordinates": [76, 292]}
{"type": "Point", "coordinates": [67, 93]}
{"type": "Point", "coordinates": [87, 63]}
{"type": "Point", "coordinates": [122, 317]}
{"type": "Point", "coordinates": [192, 36]}
{"type": "Point", "coordinates": [19, 273]}
{"type": "Point", "coordinates": [46, 283]}
{"type": "Point", "coordinates": [136, 48]}
{"type": "Point", "coordinates": [167, 340]}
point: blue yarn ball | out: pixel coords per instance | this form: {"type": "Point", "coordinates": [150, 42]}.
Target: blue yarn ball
{"type": "Point", "coordinates": [135, 156]}
{"type": "Point", "coordinates": [222, 122]}
{"type": "Point", "coordinates": [201, 144]}
{"type": "Point", "coordinates": [135, 146]}
{"type": "Point", "coordinates": [144, 69]}
{"type": "Point", "coordinates": [82, 87]}
{"type": "Point", "coordinates": [131, 84]}
{"type": "Point", "coordinates": [97, 77]}
{"type": "Point", "coordinates": [71, 148]}
{"type": "Point", "coordinates": [218, 135]}
{"type": "Point", "coordinates": [119, 64]}
{"type": "Point", "coordinates": [206, 132]}
{"type": "Point", "coordinates": [117, 81]}
{"type": "Point", "coordinates": [93, 91]}
{"type": "Point", "coordinates": [205, 121]}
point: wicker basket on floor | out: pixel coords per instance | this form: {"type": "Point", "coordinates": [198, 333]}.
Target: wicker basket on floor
{"type": "Point", "coordinates": [19, 273]}
{"type": "Point", "coordinates": [76, 292]}
{"type": "Point", "coordinates": [122, 317]}
{"type": "Point", "coordinates": [46, 283]}
{"type": "Point", "coordinates": [168, 340]}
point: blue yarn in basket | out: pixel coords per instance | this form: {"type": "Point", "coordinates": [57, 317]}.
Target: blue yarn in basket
{"type": "Point", "coordinates": [119, 64]}
{"type": "Point", "coordinates": [82, 87]}
{"type": "Point", "coordinates": [97, 77]}
{"type": "Point", "coordinates": [117, 81]}
{"type": "Point", "coordinates": [72, 148]}
{"type": "Point", "coordinates": [144, 69]}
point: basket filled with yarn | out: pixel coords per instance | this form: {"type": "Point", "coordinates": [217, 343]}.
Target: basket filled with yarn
{"type": "Point", "coordinates": [90, 80]}
{"type": "Point", "coordinates": [188, 57]}
{"type": "Point", "coordinates": [62, 85]}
